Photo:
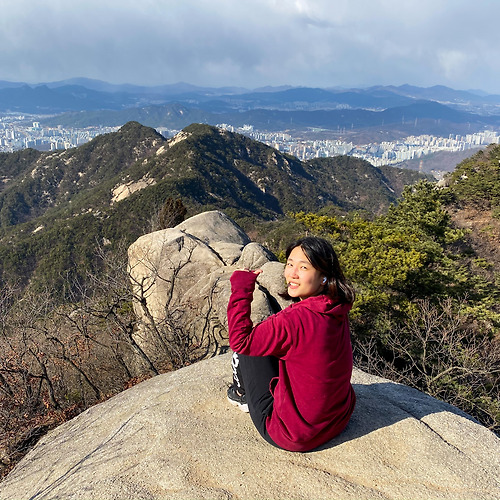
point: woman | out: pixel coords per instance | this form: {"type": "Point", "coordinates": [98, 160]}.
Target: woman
{"type": "Point", "coordinates": [293, 369]}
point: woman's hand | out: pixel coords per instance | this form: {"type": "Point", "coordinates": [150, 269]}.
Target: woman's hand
{"type": "Point", "coordinates": [256, 271]}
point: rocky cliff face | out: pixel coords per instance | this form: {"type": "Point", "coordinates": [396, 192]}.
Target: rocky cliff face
{"type": "Point", "coordinates": [176, 437]}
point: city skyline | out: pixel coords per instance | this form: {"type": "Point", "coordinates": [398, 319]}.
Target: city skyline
{"type": "Point", "coordinates": [318, 43]}
{"type": "Point", "coordinates": [17, 134]}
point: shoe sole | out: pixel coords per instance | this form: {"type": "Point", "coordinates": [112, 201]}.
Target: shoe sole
{"type": "Point", "coordinates": [242, 407]}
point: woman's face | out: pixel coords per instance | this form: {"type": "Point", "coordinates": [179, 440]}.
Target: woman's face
{"type": "Point", "coordinates": [302, 278]}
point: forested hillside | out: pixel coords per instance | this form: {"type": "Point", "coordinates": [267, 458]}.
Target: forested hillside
{"type": "Point", "coordinates": [427, 312]}
{"type": "Point", "coordinates": [474, 204]}
{"type": "Point", "coordinates": [56, 208]}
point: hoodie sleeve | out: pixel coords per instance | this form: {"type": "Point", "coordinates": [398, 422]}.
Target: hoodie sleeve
{"type": "Point", "coordinates": [270, 337]}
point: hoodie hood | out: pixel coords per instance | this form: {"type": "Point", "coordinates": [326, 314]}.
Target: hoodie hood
{"type": "Point", "coordinates": [324, 304]}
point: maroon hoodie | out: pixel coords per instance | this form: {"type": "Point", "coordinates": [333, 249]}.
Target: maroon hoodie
{"type": "Point", "coordinates": [313, 396]}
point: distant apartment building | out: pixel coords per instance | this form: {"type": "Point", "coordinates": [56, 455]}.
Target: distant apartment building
{"type": "Point", "coordinates": [18, 133]}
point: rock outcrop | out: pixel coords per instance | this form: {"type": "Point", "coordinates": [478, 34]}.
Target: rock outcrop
{"type": "Point", "coordinates": [176, 437]}
{"type": "Point", "coordinates": [181, 276]}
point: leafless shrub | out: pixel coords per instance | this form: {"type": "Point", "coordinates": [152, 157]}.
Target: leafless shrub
{"type": "Point", "coordinates": [440, 350]}
{"type": "Point", "coordinates": [56, 360]}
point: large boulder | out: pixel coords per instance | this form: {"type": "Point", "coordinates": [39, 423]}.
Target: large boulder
{"type": "Point", "coordinates": [180, 278]}
{"type": "Point", "coordinates": [176, 437]}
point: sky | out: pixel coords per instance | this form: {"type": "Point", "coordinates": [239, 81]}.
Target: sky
{"type": "Point", "coordinates": [254, 43]}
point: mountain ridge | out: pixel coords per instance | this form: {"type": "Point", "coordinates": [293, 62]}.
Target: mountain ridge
{"type": "Point", "coordinates": [101, 196]}
{"type": "Point", "coordinates": [72, 192]}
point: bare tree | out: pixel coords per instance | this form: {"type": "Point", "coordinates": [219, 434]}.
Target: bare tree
{"type": "Point", "coordinates": [182, 331]}
{"type": "Point", "coordinates": [58, 359]}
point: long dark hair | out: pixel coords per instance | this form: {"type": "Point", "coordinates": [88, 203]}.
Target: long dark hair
{"type": "Point", "coordinates": [323, 258]}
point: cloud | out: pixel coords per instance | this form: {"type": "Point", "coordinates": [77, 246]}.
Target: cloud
{"type": "Point", "coordinates": [454, 63]}
{"type": "Point", "coordinates": [225, 42]}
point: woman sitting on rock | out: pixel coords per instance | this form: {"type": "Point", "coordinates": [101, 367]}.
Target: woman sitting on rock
{"type": "Point", "coordinates": [293, 370]}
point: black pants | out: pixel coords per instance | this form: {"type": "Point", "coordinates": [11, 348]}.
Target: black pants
{"type": "Point", "coordinates": [252, 375]}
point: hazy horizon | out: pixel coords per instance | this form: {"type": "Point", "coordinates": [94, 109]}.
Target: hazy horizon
{"type": "Point", "coordinates": [82, 80]}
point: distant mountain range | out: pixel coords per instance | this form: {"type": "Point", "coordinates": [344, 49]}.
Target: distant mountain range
{"type": "Point", "coordinates": [84, 94]}
{"type": "Point", "coordinates": [101, 103]}
{"type": "Point", "coordinates": [417, 118]}
{"type": "Point", "coordinates": [375, 114]}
